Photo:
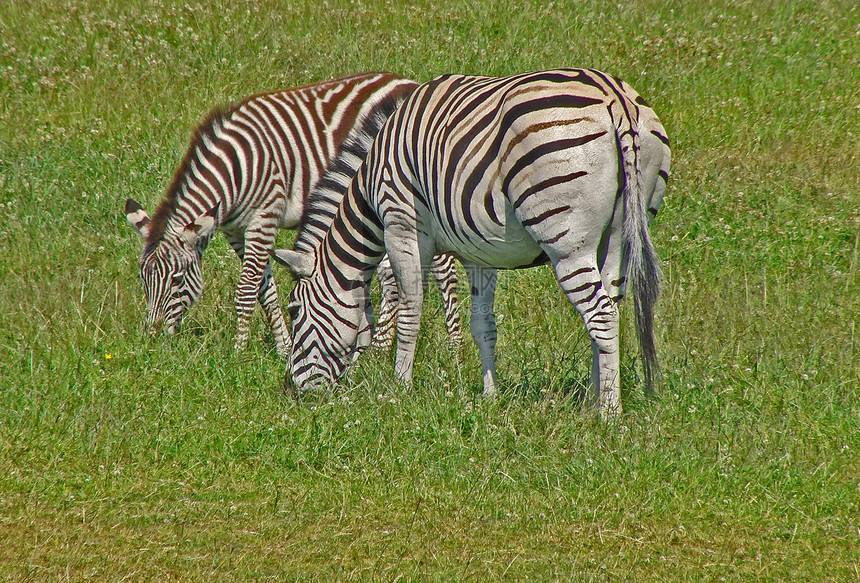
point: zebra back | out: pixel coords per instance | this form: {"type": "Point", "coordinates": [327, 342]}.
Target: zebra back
{"type": "Point", "coordinates": [287, 135]}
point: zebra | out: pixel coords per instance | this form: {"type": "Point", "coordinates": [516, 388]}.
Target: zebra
{"type": "Point", "coordinates": [247, 172]}
{"type": "Point", "coordinates": [566, 167]}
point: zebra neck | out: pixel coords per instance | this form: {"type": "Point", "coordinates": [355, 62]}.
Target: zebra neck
{"type": "Point", "coordinates": [318, 217]}
{"type": "Point", "coordinates": [172, 241]}
{"type": "Point", "coordinates": [220, 168]}
{"type": "Point", "coordinates": [326, 196]}
{"type": "Point", "coordinates": [352, 249]}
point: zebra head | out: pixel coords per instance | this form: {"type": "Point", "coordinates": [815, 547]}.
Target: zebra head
{"type": "Point", "coordinates": [170, 267]}
{"type": "Point", "coordinates": [326, 341]}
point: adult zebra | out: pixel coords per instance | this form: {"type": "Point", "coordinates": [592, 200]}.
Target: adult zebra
{"type": "Point", "coordinates": [565, 166]}
{"type": "Point", "coordinates": [247, 172]}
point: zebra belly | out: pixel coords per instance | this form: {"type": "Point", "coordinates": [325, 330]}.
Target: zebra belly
{"type": "Point", "coordinates": [505, 246]}
{"type": "Point", "coordinates": [292, 217]}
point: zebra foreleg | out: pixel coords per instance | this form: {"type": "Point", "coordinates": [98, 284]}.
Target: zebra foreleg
{"type": "Point", "coordinates": [268, 298]}
{"type": "Point", "coordinates": [407, 263]}
{"type": "Point", "coordinates": [257, 284]}
{"type": "Point", "coordinates": [482, 324]}
{"type": "Point", "coordinates": [240, 340]}
{"type": "Point", "coordinates": [383, 334]}
{"type": "Point", "coordinates": [445, 274]}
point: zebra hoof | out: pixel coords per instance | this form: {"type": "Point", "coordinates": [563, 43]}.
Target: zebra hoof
{"type": "Point", "coordinates": [610, 412]}
{"type": "Point", "coordinates": [490, 394]}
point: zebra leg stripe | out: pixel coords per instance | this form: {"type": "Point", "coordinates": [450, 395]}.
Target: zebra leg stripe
{"type": "Point", "coordinates": [408, 260]}
{"type": "Point", "coordinates": [268, 298]}
{"type": "Point", "coordinates": [445, 273]}
{"type": "Point", "coordinates": [240, 340]}
{"type": "Point", "coordinates": [383, 335]}
{"type": "Point", "coordinates": [257, 284]}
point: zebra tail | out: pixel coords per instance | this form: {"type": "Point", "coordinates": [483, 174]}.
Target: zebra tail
{"type": "Point", "coordinates": [643, 264]}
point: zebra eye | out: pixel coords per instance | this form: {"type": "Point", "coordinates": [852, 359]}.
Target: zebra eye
{"type": "Point", "coordinates": [178, 278]}
{"type": "Point", "coordinates": [293, 311]}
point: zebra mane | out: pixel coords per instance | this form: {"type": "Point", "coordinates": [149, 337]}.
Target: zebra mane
{"type": "Point", "coordinates": [325, 196]}
{"type": "Point", "coordinates": [205, 131]}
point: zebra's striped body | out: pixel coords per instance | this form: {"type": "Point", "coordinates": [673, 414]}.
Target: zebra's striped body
{"type": "Point", "coordinates": [557, 166]}
{"type": "Point", "coordinates": [322, 206]}
{"type": "Point", "coordinates": [248, 172]}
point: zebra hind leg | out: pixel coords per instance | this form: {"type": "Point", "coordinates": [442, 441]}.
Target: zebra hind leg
{"type": "Point", "coordinates": [483, 322]}
{"type": "Point", "coordinates": [445, 273]}
{"type": "Point", "coordinates": [383, 334]}
{"type": "Point", "coordinates": [582, 284]}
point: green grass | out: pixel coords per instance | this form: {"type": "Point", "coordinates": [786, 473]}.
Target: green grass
{"type": "Point", "coordinates": [124, 457]}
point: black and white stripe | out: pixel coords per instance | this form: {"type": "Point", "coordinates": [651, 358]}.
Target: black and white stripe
{"type": "Point", "coordinates": [322, 206]}
{"type": "Point", "coordinates": [443, 270]}
{"type": "Point", "coordinates": [247, 172]}
{"type": "Point", "coordinates": [566, 167]}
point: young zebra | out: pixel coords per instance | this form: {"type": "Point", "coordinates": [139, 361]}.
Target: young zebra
{"type": "Point", "coordinates": [247, 172]}
{"type": "Point", "coordinates": [566, 167]}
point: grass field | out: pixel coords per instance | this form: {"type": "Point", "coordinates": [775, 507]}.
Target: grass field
{"type": "Point", "coordinates": [124, 457]}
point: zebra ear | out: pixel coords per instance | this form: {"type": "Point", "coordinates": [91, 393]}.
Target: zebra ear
{"type": "Point", "coordinates": [299, 264]}
{"type": "Point", "coordinates": [202, 228]}
{"type": "Point", "coordinates": [137, 218]}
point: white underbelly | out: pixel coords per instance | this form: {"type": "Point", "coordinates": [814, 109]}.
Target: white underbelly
{"type": "Point", "coordinates": [506, 246]}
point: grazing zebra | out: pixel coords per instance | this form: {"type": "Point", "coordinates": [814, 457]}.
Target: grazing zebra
{"type": "Point", "coordinates": [248, 171]}
{"type": "Point", "coordinates": [565, 166]}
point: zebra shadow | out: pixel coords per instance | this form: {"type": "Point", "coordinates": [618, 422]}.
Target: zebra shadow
{"type": "Point", "coordinates": [536, 383]}
{"type": "Point", "coordinates": [571, 383]}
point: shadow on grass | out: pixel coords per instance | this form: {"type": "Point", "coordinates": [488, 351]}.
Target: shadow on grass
{"type": "Point", "coordinates": [572, 384]}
